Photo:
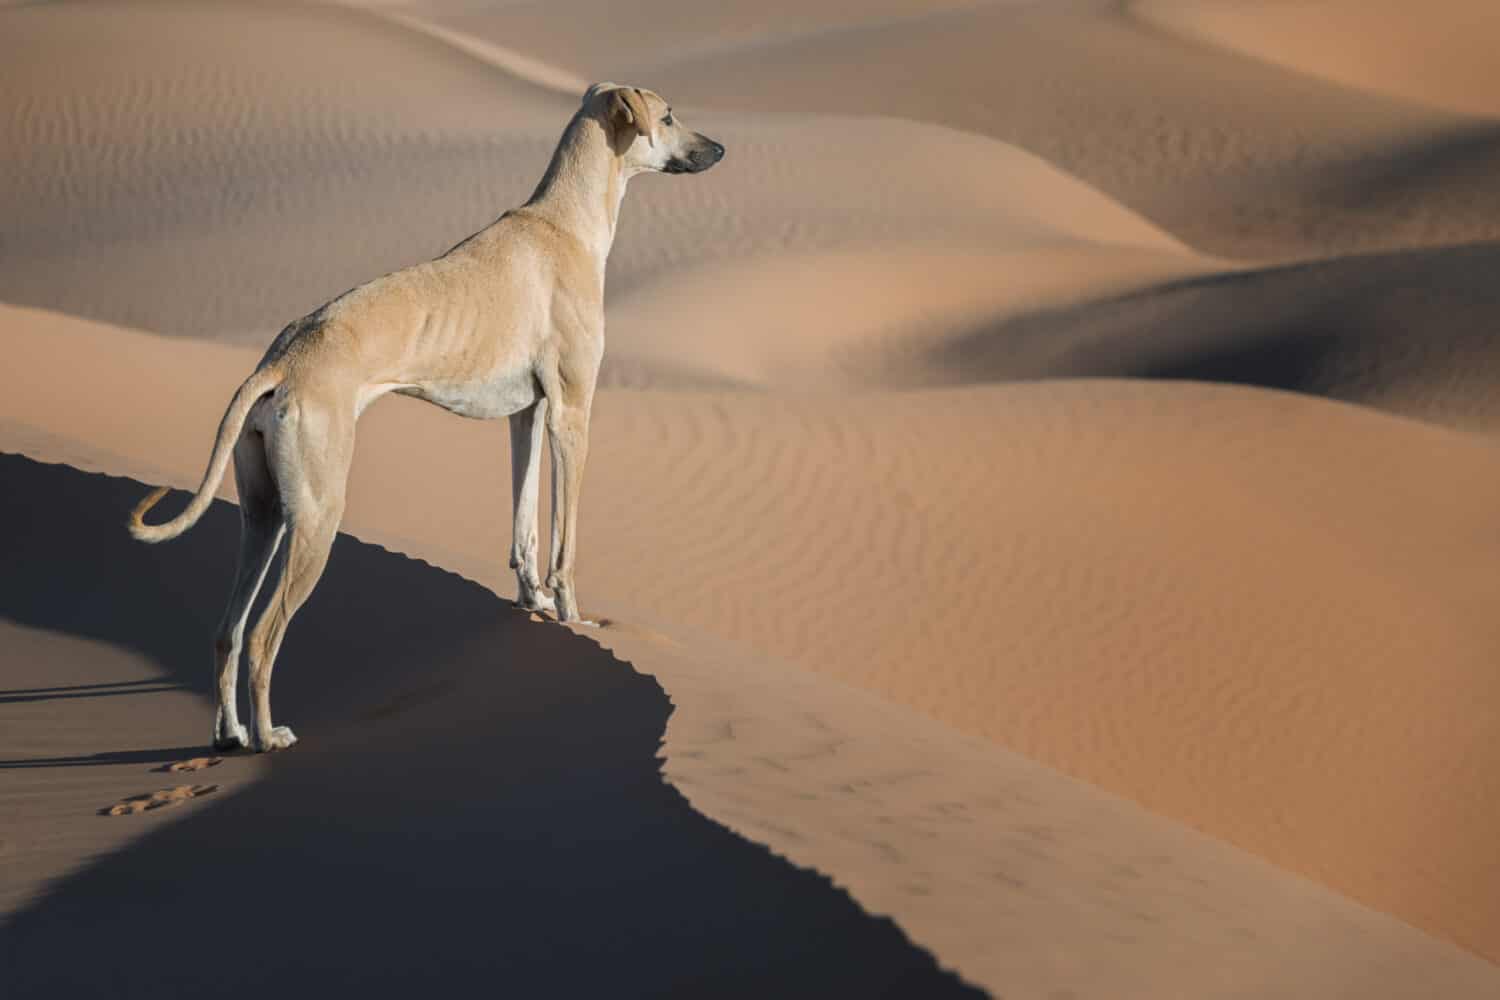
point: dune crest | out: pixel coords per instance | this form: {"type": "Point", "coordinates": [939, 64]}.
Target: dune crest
{"type": "Point", "coordinates": [515, 63]}
{"type": "Point", "coordinates": [485, 804]}
{"type": "Point", "coordinates": [1440, 54]}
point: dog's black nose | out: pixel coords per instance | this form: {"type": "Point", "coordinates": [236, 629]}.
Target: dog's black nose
{"type": "Point", "coordinates": [705, 154]}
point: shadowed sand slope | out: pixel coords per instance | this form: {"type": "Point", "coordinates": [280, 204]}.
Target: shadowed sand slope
{"type": "Point", "coordinates": [482, 803]}
{"type": "Point", "coordinates": [1415, 332]}
{"type": "Point", "coordinates": [847, 319]}
{"type": "Point", "coordinates": [1226, 152]}
{"type": "Point", "coordinates": [1262, 614]}
{"type": "Point", "coordinates": [85, 724]}
{"type": "Point", "coordinates": [476, 800]}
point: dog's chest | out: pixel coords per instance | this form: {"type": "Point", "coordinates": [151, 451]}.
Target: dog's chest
{"type": "Point", "coordinates": [483, 399]}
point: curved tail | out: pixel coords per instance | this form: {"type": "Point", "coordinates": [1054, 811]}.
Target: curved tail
{"type": "Point", "coordinates": [257, 385]}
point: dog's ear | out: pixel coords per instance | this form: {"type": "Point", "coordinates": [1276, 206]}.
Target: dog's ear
{"type": "Point", "coordinates": [627, 110]}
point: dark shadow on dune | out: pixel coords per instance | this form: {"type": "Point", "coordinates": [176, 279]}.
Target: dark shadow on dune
{"type": "Point", "coordinates": [1453, 158]}
{"type": "Point", "coordinates": [476, 808]}
{"type": "Point", "coordinates": [1351, 328]}
{"type": "Point", "coordinates": [9, 698]}
{"type": "Point", "coordinates": [160, 755]}
{"type": "Point", "coordinates": [66, 690]}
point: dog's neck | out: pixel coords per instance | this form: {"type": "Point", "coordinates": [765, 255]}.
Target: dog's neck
{"type": "Point", "coordinates": [583, 186]}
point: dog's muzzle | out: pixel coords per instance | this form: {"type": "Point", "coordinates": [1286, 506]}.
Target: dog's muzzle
{"type": "Point", "coordinates": [699, 159]}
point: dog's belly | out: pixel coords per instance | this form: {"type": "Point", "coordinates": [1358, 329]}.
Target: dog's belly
{"type": "Point", "coordinates": [485, 399]}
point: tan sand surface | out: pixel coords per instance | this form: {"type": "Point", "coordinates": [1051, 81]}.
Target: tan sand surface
{"type": "Point", "coordinates": [486, 805]}
{"type": "Point", "coordinates": [234, 189]}
{"type": "Point", "coordinates": [1440, 53]}
{"type": "Point", "coordinates": [1233, 155]}
{"type": "Point", "coordinates": [1102, 686]}
{"type": "Point", "coordinates": [1176, 557]}
{"type": "Point", "coordinates": [514, 768]}
{"type": "Point", "coordinates": [71, 710]}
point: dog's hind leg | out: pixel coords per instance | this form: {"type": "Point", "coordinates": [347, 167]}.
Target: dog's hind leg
{"type": "Point", "coordinates": [309, 459]}
{"type": "Point", "coordinates": [526, 430]}
{"type": "Point", "coordinates": [261, 529]}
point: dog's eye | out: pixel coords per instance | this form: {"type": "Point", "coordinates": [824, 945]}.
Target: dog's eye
{"type": "Point", "coordinates": [667, 120]}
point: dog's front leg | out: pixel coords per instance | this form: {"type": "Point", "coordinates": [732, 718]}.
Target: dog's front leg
{"type": "Point", "coordinates": [526, 430]}
{"type": "Point", "coordinates": [568, 428]}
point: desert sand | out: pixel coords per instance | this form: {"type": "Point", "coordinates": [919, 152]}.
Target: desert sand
{"type": "Point", "coordinates": [1040, 507]}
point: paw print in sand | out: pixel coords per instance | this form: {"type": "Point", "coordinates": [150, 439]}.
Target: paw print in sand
{"type": "Point", "coordinates": [157, 800]}
{"type": "Point", "coordinates": [196, 764]}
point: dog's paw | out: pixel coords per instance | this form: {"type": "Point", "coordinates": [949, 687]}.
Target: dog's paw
{"type": "Point", "coordinates": [236, 739]}
{"type": "Point", "coordinates": [538, 602]}
{"type": "Point", "coordinates": [572, 616]}
{"type": "Point", "coordinates": [280, 738]}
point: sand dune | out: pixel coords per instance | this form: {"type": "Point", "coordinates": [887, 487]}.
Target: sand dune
{"type": "Point", "coordinates": [265, 210]}
{"type": "Point", "coordinates": [1412, 332]}
{"type": "Point", "coordinates": [848, 318]}
{"type": "Point", "coordinates": [1129, 686]}
{"type": "Point", "coordinates": [586, 35]}
{"type": "Point", "coordinates": [75, 700]}
{"type": "Point", "coordinates": [240, 151]}
{"type": "Point", "coordinates": [1442, 54]}
{"type": "Point", "coordinates": [489, 788]}
{"type": "Point", "coordinates": [1175, 558]}
{"type": "Point", "coordinates": [485, 803]}
{"type": "Point", "coordinates": [1232, 155]}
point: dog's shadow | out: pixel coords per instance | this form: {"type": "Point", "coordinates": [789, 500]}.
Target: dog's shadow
{"type": "Point", "coordinates": [477, 803]}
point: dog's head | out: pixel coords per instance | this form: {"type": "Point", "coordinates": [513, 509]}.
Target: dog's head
{"type": "Point", "coordinates": [645, 133]}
